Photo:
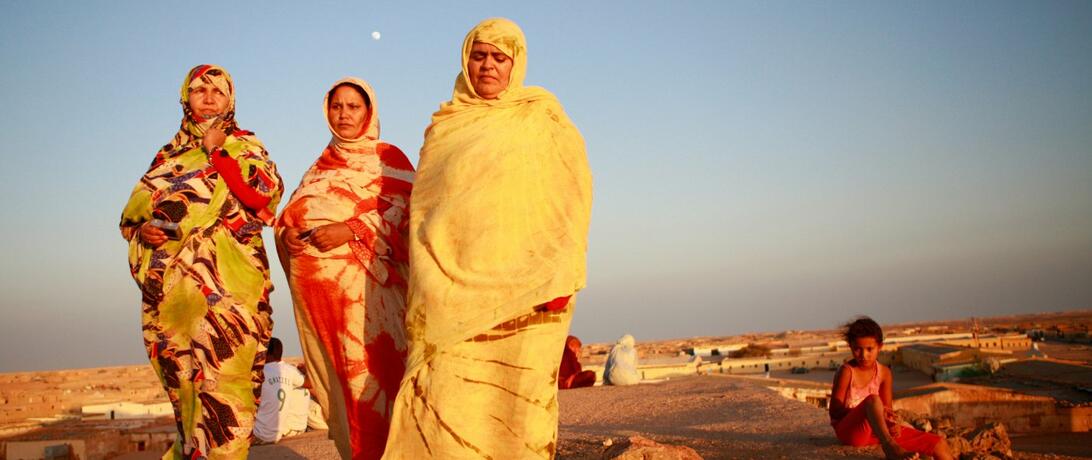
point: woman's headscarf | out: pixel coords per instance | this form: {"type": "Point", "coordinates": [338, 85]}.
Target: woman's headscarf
{"type": "Point", "coordinates": [506, 36]}
{"type": "Point", "coordinates": [194, 125]}
{"type": "Point", "coordinates": [501, 205]}
{"type": "Point", "coordinates": [370, 133]}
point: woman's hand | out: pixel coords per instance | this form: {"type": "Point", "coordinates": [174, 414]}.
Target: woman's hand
{"type": "Point", "coordinates": [152, 235]}
{"type": "Point", "coordinates": [292, 241]}
{"type": "Point", "coordinates": [330, 236]}
{"type": "Point", "coordinates": [214, 137]}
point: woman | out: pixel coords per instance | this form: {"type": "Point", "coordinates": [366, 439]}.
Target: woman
{"type": "Point", "coordinates": [571, 374]}
{"type": "Point", "coordinates": [194, 224]}
{"type": "Point", "coordinates": [341, 240]}
{"type": "Point", "coordinates": [498, 236]}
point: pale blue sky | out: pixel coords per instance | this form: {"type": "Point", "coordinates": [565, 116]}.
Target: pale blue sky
{"type": "Point", "coordinates": [759, 166]}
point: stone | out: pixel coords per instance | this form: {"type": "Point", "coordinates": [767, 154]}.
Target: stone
{"type": "Point", "coordinates": [942, 423]}
{"type": "Point", "coordinates": [958, 446]}
{"type": "Point", "coordinates": [977, 456]}
{"type": "Point", "coordinates": [992, 438]}
{"type": "Point", "coordinates": [919, 422]}
{"type": "Point", "coordinates": [640, 448]}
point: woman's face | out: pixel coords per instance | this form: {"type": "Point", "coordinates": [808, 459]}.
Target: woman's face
{"type": "Point", "coordinates": [207, 100]}
{"type": "Point", "coordinates": [489, 70]}
{"type": "Point", "coordinates": [347, 112]}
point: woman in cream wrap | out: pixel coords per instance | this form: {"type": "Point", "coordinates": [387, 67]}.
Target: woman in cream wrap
{"type": "Point", "coordinates": [341, 240]}
{"type": "Point", "coordinates": [498, 237]}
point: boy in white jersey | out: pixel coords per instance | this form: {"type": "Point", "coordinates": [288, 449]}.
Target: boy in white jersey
{"type": "Point", "coordinates": [285, 402]}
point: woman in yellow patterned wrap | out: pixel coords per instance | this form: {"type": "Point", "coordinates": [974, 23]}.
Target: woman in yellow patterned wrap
{"type": "Point", "coordinates": [498, 238]}
{"type": "Point", "coordinates": [194, 226]}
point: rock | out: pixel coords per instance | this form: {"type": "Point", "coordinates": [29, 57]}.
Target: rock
{"type": "Point", "coordinates": [992, 438]}
{"type": "Point", "coordinates": [942, 423]}
{"type": "Point", "coordinates": [919, 422]}
{"type": "Point", "coordinates": [959, 446]}
{"type": "Point", "coordinates": [640, 448]}
{"type": "Point", "coordinates": [977, 456]}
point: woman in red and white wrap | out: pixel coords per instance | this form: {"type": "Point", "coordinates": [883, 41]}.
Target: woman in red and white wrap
{"type": "Point", "coordinates": [341, 239]}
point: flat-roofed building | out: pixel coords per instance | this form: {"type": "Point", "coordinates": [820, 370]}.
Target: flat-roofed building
{"type": "Point", "coordinates": [1012, 342]}
{"type": "Point", "coordinates": [946, 362]}
{"type": "Point", "coordinates": [923, 357]}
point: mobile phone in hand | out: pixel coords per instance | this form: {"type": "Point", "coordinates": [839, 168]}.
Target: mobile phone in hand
{"type": "Point", "coordinates": [169, 228]}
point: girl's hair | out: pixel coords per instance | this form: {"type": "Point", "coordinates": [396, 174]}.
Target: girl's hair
{"type": "Point", "coordinates": [863, 326]}
{"type": "Point", "coordinates": [359, 90]}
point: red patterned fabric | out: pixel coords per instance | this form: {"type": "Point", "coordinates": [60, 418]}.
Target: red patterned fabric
{"type": "Point", "coordinates": [350, 301]}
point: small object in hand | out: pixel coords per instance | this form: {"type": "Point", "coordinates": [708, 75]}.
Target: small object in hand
{"type": "Point", "coordinates": [305, 235]}
{"type": "Point", "coordinates": [166, 217]}
{"type": "Point", "coordinates": [169, 228]}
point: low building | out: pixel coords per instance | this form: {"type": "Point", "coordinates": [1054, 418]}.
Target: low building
{"type": "Point", "coordinates": [1055, 371]}
{"type": "Point", "coordinates": [945, 362]}
{"type": "Point", "coordinates": [1012, 342]}
{"type": "Point", "coordinates": [716, 349]}
{"type": "Point", "coordinates": [123, 410]}
{"type": "Point", "coordinates": [924, 357]}
{"type": "Point", "coordinates": [91, 440]}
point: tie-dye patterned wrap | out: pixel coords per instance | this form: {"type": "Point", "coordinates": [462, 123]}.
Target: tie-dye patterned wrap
{"type": "Point", "coordinates": [350, 301]}
{"type": "Point", "coordinates": [206, 313]}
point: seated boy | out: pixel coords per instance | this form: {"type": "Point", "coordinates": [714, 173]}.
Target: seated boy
{"type": "Point", "coordinates": [285, 402]}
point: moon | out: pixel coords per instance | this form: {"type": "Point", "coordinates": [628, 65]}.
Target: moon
{"type": "Point", "coordinates": [375, 35]}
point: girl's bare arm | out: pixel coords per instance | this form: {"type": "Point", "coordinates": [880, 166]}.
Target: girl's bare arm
{"type": "Point", "coordinates": [838, 393]}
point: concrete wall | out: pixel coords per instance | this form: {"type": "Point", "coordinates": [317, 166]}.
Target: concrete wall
{"type": "Point", "coordinates": [35, 450]}
{"type": "Point", "coordinates": [953, 372]}
{"type": "Point", "coordinates": [815, 396]}
{"type": "Point", "coordinates": [972, 406]}
{"type": "Point", "coordinates": [651, 372]}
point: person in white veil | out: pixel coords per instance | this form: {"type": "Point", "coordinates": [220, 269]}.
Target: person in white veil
{"type": "Point", "coordinates": [621, 366]}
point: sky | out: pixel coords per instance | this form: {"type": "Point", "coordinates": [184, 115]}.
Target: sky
{"type": "Point", "coordinates": [758, 165]}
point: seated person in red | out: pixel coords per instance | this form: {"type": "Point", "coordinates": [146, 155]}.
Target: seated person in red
{"type": "Point", "coordinates": [860, 406]}
{"type": "Point", "coordinates": [571, 374]}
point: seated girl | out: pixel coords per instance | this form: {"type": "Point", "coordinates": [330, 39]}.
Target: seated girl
{"type": "Point", "coordinates": [860, 407]}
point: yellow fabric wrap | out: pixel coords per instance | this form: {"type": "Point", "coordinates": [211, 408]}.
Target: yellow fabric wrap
{"type": "Point", "coordinates": [499, 220]}
{"type": "Point", "coordinates": [499, 213]}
